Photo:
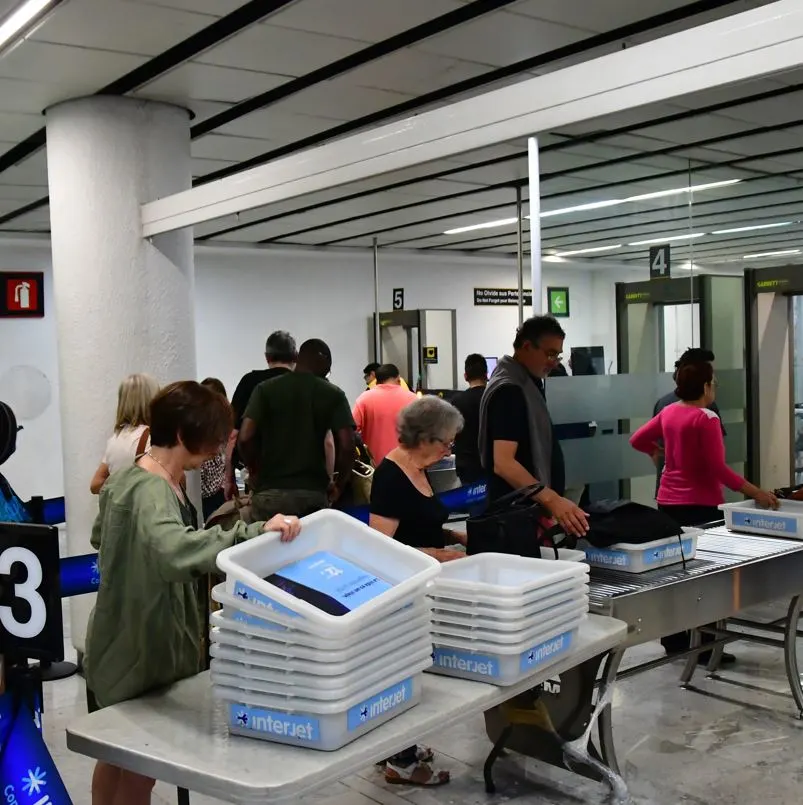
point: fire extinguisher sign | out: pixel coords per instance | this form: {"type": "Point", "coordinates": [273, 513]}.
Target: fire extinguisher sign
{"type": "Point", "coordinates": [22, 295]}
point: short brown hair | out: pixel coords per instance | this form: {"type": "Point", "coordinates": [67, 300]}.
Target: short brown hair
{"type": "Point", "coordinates": [215, 384]}
{"type": "Point", "coordinates": [691, 380]}
{"type": "Point", "coordinates": [188, 412]}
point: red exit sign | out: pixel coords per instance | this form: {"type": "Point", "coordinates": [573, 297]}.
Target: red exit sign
{"type": "Point", "coordinates": [22, 295]}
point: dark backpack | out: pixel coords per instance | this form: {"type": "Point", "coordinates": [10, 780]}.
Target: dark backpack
{"type": "Point", "coordinates": [613, 521]}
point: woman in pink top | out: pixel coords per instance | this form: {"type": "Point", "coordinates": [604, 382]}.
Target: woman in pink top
{"type": "Point", "coordinates": [695, 471]}
{"type": "Point", "coordinates": [694, 452]}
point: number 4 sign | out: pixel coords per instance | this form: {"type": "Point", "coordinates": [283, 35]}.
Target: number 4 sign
{"type": "Point", "coordinates": [659, 262]}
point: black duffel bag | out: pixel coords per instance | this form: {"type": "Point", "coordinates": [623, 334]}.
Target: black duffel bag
{"type": "Point", "coordinates": [514, 524]}
{"type": "Point", "coordinates": [613, 521]}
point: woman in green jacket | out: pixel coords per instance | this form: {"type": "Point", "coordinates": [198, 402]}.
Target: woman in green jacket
{"type": "Point", "coordinates": [148, 626]}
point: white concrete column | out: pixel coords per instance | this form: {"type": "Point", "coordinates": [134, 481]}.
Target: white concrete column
{"type": "Point", "coordinates": [123, 304]}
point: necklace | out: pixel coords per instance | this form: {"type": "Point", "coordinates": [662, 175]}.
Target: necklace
{"type": "Point", "coordinates": [172, 477]}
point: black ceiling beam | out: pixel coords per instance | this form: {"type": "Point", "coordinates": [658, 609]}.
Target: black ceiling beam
{"type": "Point", "coordinates": [390, 45]}
{"type": "Point", "coordinates": [208, 37]}
{"type": "Point", "coordinates": [445, 93]}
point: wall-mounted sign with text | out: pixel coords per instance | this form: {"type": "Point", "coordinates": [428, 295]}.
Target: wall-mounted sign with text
{"type": "Point", "coordinates": [22, 295]}
{"type": "Point", "coordinates": [501, 296]}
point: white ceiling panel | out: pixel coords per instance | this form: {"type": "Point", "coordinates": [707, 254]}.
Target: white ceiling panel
{"type": "Point", "coordinates": [413, 71]}
{"type": "Point", "coordinates": [119, 25]}
{"type": "Point", "coordinates": [595, 16]}
{"type": "Point", "coordinates": [22, 194]}
{"type": "Point", "coordinates": [233, 149]}
{"type": "Point", "coordinates": [500, 39]}
{"type": "Point", "coordinates": [277, 127]}
{"type": "Point", "coordinates": [210, 83]}
{"type": "Point", "coordinates": [216, 8]}
{"type": "Point", "coordinates": [366, 20]}
{"type": "Point", "coordinates": [15, 126]}
{"type": "Point", "coordinates": [337, 99]}
{"type": "Point", "coordinates": [63, 64]}
{"type": "Point", "coordinates": [268, 49]}
{"type": "Point", "coordinates": [38, 220]}
{"type": "Point", "coordinates": [32, 171]}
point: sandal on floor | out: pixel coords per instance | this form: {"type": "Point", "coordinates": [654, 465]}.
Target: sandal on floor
{"type": "Point", "coordinates": [423, 754]}
{"type": "Point", "coordinates": [416, 774]}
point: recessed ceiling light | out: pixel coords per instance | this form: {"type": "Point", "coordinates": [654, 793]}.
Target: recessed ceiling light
{"type": "Point", "coordinates": [591, 250]}
{"type": "Point", "coordinates": [486, 225]}
{"type": "Point", "coordinates": [24, 15]}
{"type": "Point", "coordinates": [771, 254]}
{"type": "Point", "coordinates": [751, 228]}
{"type": "Point", "coordinates": [666, 239]}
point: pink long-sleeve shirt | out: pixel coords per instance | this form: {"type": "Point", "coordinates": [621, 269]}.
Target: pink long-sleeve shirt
{"type": "Point", "coordinates": [694, 449]}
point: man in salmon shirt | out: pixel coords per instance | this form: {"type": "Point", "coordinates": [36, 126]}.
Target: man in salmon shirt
{"type": "Point", "coordinates": [376, 411]}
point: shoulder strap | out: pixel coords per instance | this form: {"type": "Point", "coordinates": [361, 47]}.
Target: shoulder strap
{"type": "Point", "coordinates": [143, 441]}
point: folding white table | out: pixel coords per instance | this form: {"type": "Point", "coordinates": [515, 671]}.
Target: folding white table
{"type": "Point", "coordinates": [179, 737]}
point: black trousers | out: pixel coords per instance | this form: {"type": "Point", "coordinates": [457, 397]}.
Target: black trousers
{"type": "Point", "coordinates": [687, 516]}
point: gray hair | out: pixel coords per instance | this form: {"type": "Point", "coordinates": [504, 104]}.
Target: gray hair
{"type": "Point", "coordinates": [428, 419]}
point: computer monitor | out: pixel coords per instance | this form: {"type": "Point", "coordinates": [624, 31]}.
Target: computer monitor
{"type": "Point", "coordinates": [491, 364]}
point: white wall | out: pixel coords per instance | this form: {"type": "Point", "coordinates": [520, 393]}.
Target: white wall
{"type": "Point", "coordinates": [244, 294]}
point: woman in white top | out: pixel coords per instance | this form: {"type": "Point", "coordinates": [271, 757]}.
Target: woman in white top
{"type": "Point", "coordinates": [131, 431]}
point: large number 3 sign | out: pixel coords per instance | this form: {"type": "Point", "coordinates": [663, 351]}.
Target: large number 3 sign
{"type": "Point", "coordinates": [30, 600]}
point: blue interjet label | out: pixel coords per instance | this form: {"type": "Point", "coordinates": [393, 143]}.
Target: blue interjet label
{"type": "Point", "coordinates": [670, 552]}
{"type": "Point", "coordinates": [545, 651]}
{"type": "Point", "coordinates": [380, 705]}
{"type": "Point", "coordinates": [302, 728]}
{"type": "Point", "coordinates": [766, 521]}
{"type": "Point", "coordinates": [465, 662]}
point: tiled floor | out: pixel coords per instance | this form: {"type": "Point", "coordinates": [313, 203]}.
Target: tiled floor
{"type": "Point", "coordinates": [735, 740]}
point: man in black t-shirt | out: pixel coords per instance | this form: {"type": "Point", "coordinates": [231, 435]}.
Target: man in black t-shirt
{"type": "Point", "coordinates": [466, 445]}
{"type": "Point", "coordinates": [518, 442]}
{"type": "Point", "coordinates": [281, 355]}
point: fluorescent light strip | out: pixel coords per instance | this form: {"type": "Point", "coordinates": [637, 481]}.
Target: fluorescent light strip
{"type": "Point", "coordinates": [25, 14]}
{"type": "Point", "coordinates": [592, 250]}
{"type": "Point", "coordinates": [676, 191]}
{"type": "Point", "coordinates": [486, 225]}
{"type": "Point", "coordinates": [771, 254]}
{"type": "Point", "coordinates": [666, 239]}
{"type": "Point", "coordinates": [751, 228]}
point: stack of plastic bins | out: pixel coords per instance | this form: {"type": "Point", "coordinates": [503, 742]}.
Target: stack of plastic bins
{"type": "Point", "coordinates": [322, 639]}
{"type": "Point", "coordinates": [497, 618]}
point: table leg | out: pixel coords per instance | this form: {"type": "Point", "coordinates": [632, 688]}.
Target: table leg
{"type": "Point", "coordinates": [790, 652]}
{"type": "Point", "coordinates": [691, 662]}
{"type": "Point", "coordinates": [183, 796]}
{"type": "Point", "coordinates": [607, 747]}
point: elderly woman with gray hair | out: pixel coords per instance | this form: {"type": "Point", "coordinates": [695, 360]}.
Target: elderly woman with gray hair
{"type": "Point", "coordinates": [404, 507]}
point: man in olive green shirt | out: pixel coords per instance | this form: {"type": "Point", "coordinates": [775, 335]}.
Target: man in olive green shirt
{"type": "Point", "coordinates": [283, 434]}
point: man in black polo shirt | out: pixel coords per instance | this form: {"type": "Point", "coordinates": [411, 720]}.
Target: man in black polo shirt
{"type": "Point", "coordinates": [518, 445]}
{"type": "Point", "coordinates": [466, 445]}
{"type": "Point", "coordinates": [281, 355]}
{"type": "Point", "coordinates": [283, 433]}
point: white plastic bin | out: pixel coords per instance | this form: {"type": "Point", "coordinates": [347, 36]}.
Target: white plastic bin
{"type": "Point", "coordinates": [470, 598]}
{"type": "Point", "coordinates": [564, 554]}
{"type": "Point", "coordinates": [320, 688]}
{"type": "Point", "coordinates": [502, 665]}
{"type": "Point", "coordinates": [303, 630]}
{"type": "Point", "coordinates": [490, 634]}
{"type": "Point", "coordinates": [378, 559]}
{"type": "Point", "coordinates": [787, 521]}
{"type": "Point", "coordinates": [314, 724]}
{"type": "Point", "coordinates": [503, 575]}
{"type": "Point", "coordinates": [510, 620]}
{"type": "Point", "coordinates": [647, 556]}
{"type": "Point", "coordinates": [320, 655]}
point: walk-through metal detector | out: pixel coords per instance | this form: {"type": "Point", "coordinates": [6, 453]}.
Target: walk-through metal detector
{"type": "Point", "coordinates": [641, 311]}
{"type": "Point", "coordinates": [712, 320]}
{"type": "Point", "coordinates": [423, 344]}
{"type": "Point", "coordinates": [774, 396]}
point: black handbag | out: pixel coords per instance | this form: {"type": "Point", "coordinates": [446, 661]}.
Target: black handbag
{"type": "Point", "coordinates": [513, 524]}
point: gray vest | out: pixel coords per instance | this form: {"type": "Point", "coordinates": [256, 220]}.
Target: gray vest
{"type": "Point", "coordinates": [510, 372]}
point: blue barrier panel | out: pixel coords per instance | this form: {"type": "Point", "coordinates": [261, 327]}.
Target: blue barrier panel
{"type": "Point", "coordinates": [54, 511]}
{"type": "Point", "coordinates": [80, 574]}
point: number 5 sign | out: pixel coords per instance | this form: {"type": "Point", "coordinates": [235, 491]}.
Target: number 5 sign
{"type": "Point", "coordinates": [30, 596]}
